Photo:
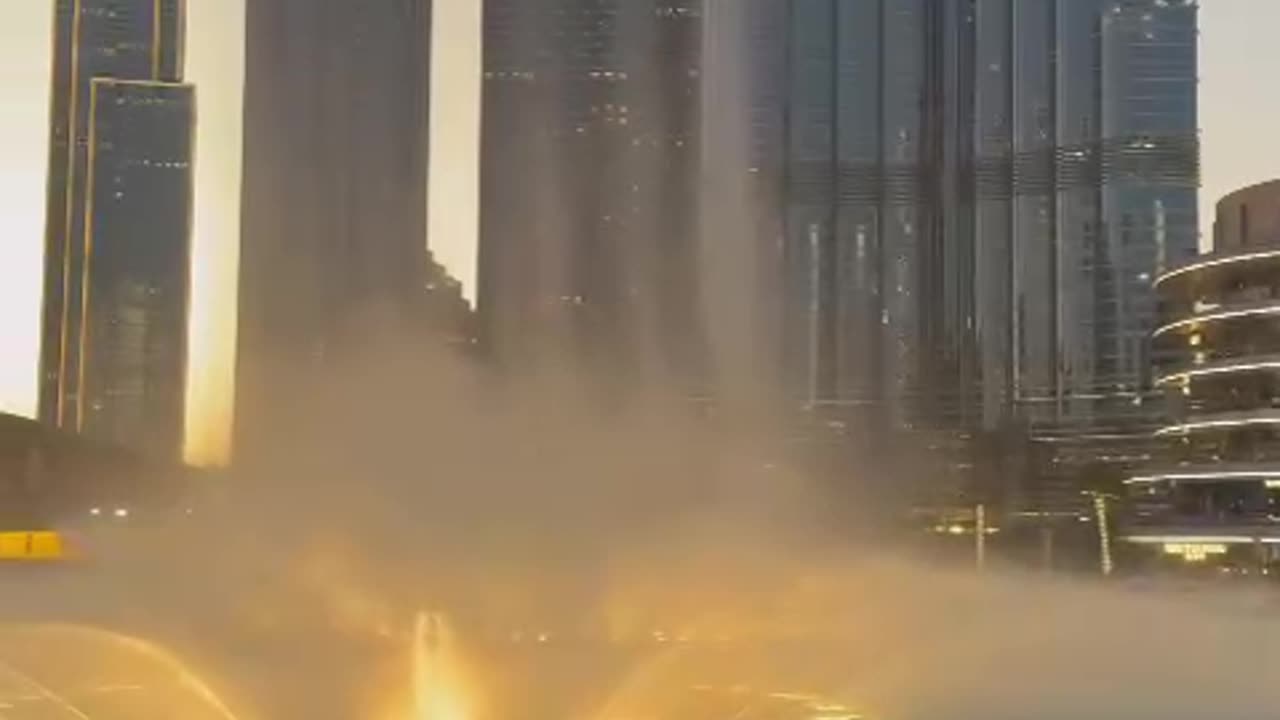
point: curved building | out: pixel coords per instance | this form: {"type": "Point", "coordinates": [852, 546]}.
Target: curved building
{"type": "Point", "coordinates": [1216, 351]}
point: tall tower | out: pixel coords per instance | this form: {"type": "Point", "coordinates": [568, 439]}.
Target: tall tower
{"type": "Point", "coordinates": [741, 143]}
{"type": "Point", "coordinates": [974, 197]}
{"type": "Point", "coordinates": [118, 224]}
{"type": "Point", "coordinates": [589, 183]}
{"type": "Point", "coordinates": [335, 198]}
{"type": "Point", "coordinates": [983, 190]}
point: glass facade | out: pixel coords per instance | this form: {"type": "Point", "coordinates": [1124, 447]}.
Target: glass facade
{"type": "Point", "coordinates": [137, 265]}
{"type": "Point", "coordinates": [124, 39]}
{"type": "Point", "coordinates": [336, 140]}
{"type": "Point", "coordinates": [589, 168]}
{"type": "Point", "coordinates": [1150, 177]}
{"type": "Point", "coordinates": [336, 153]}
{"type": "Point", "coordinates": [977, 194]}
{"type": "Point", "coordinates": [118, 225]}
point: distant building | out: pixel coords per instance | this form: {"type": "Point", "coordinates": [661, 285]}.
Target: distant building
{"type": "Point", "coordinates": [1216, 488]}
{"type": "Point", "coordinates": [446, 313]}
{"type": "Point", "coordinates": [1248, 218]}
{"type": "Point", "coordinates": [118, 219]}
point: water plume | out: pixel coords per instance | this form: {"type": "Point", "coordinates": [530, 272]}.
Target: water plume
{"type": "Point", "coordinates": [438, 687]}
{"type": "Point", "coordinates": [431, 680]}
{"type": "Point", "coordinates": [82, 667]}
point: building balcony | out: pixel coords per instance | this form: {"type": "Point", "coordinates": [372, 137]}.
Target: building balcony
{"type": "Point", "coordinates": [1209, 474]}
{"type": "Point", "coordinates": [1192, 324]}
{"type": "Point", "coordinates": [1220, 269]}
{"type": "Point", "coordinates": [1224, 367]}
{"type": "Point", "coordinates": [1261, 418]}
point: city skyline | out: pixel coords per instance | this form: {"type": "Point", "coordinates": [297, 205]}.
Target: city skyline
{"type": "Point", "coordinates": [664, 359]}
{"type": "Point", "coordinates": [28, 35]}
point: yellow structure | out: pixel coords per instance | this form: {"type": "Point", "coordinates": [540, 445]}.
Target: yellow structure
{"type": "Point", "coordinates": [32, 546]}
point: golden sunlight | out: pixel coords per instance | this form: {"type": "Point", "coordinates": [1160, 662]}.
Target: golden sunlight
{"type": "Point", "coordinates": [26, 55]}
{"type": "Point", "coordinates": [453, 195]}
{"type": "Point", "coordinates": [215, 64]}
{"type": "Point", "coordinates": [438, 688]}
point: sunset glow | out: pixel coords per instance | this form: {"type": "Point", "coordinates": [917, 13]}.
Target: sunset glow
{"type": "Point", "coordinates": [215, 64]}
{"type": "Point", "coordinates": [453, 196]}
{"type": "Point", "coordinates": [26, 54]}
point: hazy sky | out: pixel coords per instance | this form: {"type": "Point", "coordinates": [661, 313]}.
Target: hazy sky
{"type": "Point", "coordinates": [453, 213]}
{"type": "Point", "coordinates": [215, 63]}
{"type": "Point", "coordinates": [25, 57]}
{"type": "Point", "coordinates": [1239, 103]}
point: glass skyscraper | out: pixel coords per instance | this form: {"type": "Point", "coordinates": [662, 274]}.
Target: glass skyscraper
{"type": "Point", "coordinates": [118, 224]}
{"type": "Point", "coordinates": [336, 137]}
{"type": "Point", "coordinates": [588, 181]}
{"type": "Point", "coordinates": [977, 194]}
{"type": "Point", "coordinates": [133, 347]}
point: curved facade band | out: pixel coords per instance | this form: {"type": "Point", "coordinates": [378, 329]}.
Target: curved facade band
{"type": "Point", "coordinates": [1215, 260]}
{"type": "Point", "coordinates": [1228, 366]}
{"type": "Point", "coordinates": [1223, 421]}
{"type": "Point", "coordinates": [1270, 307]}
{"type": "Point", "coordinates": [1216, 352]}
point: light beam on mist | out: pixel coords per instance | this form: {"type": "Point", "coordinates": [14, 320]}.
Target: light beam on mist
{"type": "Point", "coordinates": [437, 686]}
{"type": "Point", "coordinates": [453, 176]}
{"type": "Point", "coordinates": [438, 689]}
{"type": "Point", "coordinates": [215, 64]}
{"type": "Point", "coordinates": [26, 72]}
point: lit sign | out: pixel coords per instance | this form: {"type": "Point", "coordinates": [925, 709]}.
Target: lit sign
{"type": "Point", "coordinates": [1195, 552]}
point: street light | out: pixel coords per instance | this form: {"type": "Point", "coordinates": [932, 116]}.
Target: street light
{"type": "Point", "coordinates": [1105, 561]}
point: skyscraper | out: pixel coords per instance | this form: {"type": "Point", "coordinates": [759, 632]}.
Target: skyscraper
{"type": "Point", "coordinates": [742, 127]}
{"type": "Point", "coordinates": [335, 198]}
{"type": "Point", "coordinates": [117, 224]}
{"type": "Point", "coordinates": [133, 342]}
{"type": "Point", "coordinates": [977, 194]}
{"type": "Point", "coordinates": [589, 177]}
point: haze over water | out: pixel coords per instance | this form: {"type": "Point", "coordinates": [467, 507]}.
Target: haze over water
{"type": "Point", "coordinates": [601, 566]}
{"type": "Point", "coordinates": [464, 548]}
